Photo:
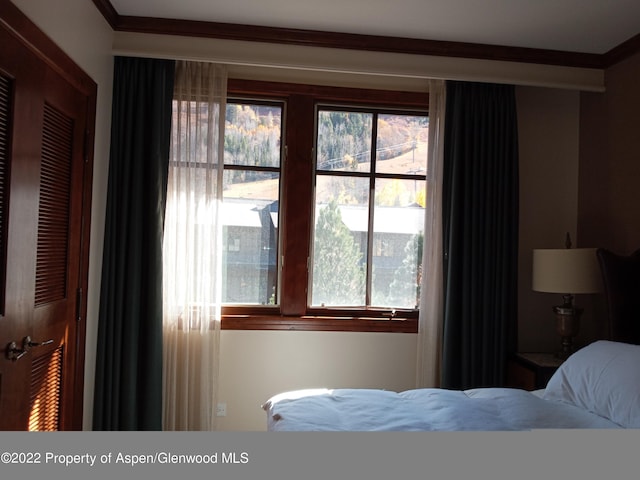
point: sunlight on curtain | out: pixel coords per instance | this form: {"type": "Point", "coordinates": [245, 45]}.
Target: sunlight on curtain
{"type": "Point", "coordinates": [431, 290]}
{"type": "Point", "coordinates": [192, 292]}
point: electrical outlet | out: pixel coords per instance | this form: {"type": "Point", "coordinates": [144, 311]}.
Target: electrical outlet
{"type": "Point", "coordinates": [221, 410]}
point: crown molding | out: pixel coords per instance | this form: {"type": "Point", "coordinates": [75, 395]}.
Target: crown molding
{"type": "Point", "coordinates": [622, 51]}
{"type": "Point", "coordinates": [314, 38]}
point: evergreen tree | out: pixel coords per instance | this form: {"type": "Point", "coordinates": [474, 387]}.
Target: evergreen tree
{"type": "Point", "coordinates": [404, 291]}
{"type": "Point", "coordinates": [338, 271]}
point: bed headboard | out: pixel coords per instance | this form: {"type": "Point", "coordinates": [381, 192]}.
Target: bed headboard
{"type": "Point", "coordinates": [621, 277]}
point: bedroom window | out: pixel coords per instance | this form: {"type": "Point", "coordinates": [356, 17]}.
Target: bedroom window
{"type": "Point", "coordinates": [370, 173]}
{"type": "Point", "coordinates": [331, 173]}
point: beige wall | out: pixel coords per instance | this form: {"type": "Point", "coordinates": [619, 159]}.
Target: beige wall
{"type": "Point", "coordinates": [610, 161]}
{"type": "Point", "coordinates": [548, 130]}
{"type": "Point", "coordinates": [256, 364]}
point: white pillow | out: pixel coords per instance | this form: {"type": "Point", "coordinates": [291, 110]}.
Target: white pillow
{"type": "Point", "coordinates": [604, 378]}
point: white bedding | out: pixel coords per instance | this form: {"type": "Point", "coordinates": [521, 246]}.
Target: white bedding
{"type": "Point", "coordinates": [597, 387]}
{"type": "Point", "coordinates": [423, 409]}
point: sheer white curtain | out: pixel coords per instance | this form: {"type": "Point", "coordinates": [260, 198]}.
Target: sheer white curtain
{"type": "Point", "coordinates": [192, 248]}
{"type": "Point", "coordinates": [431, 290]}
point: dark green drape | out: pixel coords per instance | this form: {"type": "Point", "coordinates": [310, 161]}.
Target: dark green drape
{"type": "Point", "coordinates": [128, 388]}
{"type": "Point", "coordinates": [480, 223]}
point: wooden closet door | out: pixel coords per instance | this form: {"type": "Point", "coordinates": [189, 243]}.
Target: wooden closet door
{"type": "Point", "coordinates": [43, 132]}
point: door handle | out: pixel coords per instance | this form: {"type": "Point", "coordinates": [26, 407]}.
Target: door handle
{"type": "Point", "coordinates": [27, 343]}
{"type": "Point", "coordinates": [13, 353]}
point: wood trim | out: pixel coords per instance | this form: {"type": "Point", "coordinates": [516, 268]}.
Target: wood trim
{"type": "Point", "coordinates": [296, 204]}
{"type": "Point", "coordinates": [85, 244]}
{"type": "Point", "coordinates": [282, 90]}
{"type": "Point", "coordinates": [325, 324]}
{"type": "Point", "coordinates": [6, 134]}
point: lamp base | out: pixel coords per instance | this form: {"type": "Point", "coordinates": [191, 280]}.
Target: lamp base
{"type": "Point", "coordinates": [565, 352]}
{"type": "Point", "coordinates": [567, 326]}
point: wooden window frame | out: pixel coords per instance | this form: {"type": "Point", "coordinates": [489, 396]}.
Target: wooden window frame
{"type": "Point", "coordinates": [296, 212]}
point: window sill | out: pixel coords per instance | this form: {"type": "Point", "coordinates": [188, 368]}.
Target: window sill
{"type": "Point", "coordinates": [319, 323]}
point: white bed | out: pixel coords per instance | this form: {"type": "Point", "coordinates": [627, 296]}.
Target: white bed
{"type": "Point", "coordinates": [597, 387]}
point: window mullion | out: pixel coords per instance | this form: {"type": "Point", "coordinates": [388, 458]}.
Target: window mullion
{"type": "Point", "coordinates": [297, 204]}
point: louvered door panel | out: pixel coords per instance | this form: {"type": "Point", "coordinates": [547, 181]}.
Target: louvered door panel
{"type": "Point", "coordinates": [46, 391]}
{"type": "Point", "coordinates": [53, 213]}
{"type": "Point", "coordinates": [5, 126]}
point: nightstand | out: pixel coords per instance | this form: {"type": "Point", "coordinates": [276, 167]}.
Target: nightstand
{"type": "Point", "coordinates": [531, 370]}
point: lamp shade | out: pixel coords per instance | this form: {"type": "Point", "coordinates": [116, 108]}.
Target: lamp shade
{"type": "Point", "coordinates": [566, 271]}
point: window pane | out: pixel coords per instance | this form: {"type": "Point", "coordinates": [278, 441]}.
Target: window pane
{"type": "Point", "coordinates": [251, 184]}
{"type": "Point", "coordinates": [401, 146]}
{"type": "Point", "coordinates": [344, 141]}
{"type": "Point", "coordinates": [340, 241]}
{"type": "Point", "coordinates": [398, 225]}
{"type": "Point", "coordinates": [250, 239]}
{"type": "Point", "coordinates": [252, 135]}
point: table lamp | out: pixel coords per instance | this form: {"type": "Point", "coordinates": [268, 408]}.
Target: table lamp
{"type": "Point", "coordinates": [568, 271]}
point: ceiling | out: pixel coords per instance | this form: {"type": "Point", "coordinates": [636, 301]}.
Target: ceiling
{"type": "Point", "coordinates": [584, 26]}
